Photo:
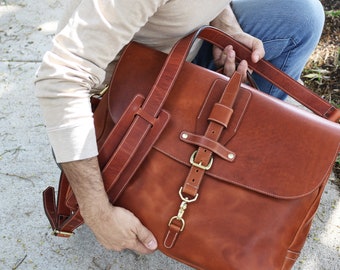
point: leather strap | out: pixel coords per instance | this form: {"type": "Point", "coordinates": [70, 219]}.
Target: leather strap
{"type": "Point", "coordinates": [213, 132]}
{"type": "Point", "coordinates": [216, 147]}
{"type": "Point", "coordinates": [294, 89]}
{"type": "Point", "coordinates": [202, 158]}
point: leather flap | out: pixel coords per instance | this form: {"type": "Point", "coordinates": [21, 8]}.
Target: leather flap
{"type": "Point", "coordinates": [281, 151]}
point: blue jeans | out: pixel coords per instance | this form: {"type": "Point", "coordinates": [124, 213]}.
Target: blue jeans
{"type": "Point", "coordinates": [289, 30]}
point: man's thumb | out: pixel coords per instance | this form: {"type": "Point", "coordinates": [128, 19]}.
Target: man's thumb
{"type": "Point", "coordinates": [146, 238]}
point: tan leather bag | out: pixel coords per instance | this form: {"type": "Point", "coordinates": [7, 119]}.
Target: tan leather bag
{"type": "Point", "coordinates": [226, 177]}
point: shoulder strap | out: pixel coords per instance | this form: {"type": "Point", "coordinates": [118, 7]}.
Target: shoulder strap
{"type": "Point", "coordinates": [180, 51]}
{"type": "Point", "coordinates": [294, 89]}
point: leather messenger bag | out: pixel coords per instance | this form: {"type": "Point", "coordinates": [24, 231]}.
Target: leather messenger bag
{"type": "Point", "coordinates": [225, 176]}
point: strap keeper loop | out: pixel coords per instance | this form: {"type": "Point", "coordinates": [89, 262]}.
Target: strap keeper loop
{"type": "Point", "coordinates": [221, 114]}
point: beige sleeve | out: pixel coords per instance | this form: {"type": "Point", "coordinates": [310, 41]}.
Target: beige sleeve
{"type": "Point", "coordinates": [96, 32]}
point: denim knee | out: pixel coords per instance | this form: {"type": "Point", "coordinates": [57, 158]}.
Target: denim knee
{"type": "Point", "coordinates": [309, 18]}
{"type": "Point", "coordinates": [270, 19]}
{"type": "Point", "coordinates": [290, 31]}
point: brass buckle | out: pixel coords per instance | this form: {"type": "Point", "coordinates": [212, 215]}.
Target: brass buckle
{"type": "Point", "coordinates": [199, 165]}
{"type": "Point", "coordinates": [61, 233]}
{"type": "Point", "coordinates": [102, 92]}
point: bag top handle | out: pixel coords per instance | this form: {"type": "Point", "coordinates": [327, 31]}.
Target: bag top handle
{"type": "Point", "coordinates": [180, 51]}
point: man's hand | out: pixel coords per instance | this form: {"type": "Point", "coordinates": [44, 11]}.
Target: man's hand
{"type": "Point", "coordinates": [118, 229]}
{"type": "Point", "coordinates": [226, 21]}
{"type": "Point", "coordinates": [114, 227]}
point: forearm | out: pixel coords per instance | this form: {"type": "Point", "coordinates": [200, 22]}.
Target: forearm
{"type": "Point", "coordinates": [227, 22]}
{"type": "Point", "coordinates": [114, 227]}
{"type": "Point", "coordinates": [85, 179]}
